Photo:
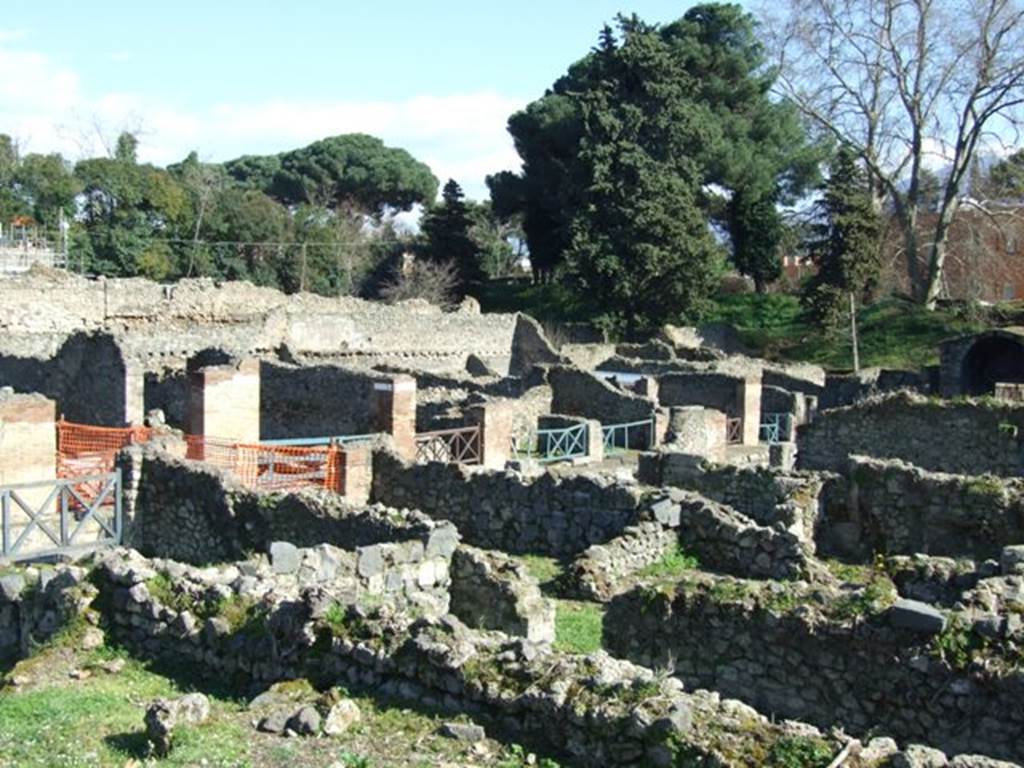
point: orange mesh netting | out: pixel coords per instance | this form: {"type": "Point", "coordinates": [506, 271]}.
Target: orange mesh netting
{"type": "Point", "coordinates": [83, 449]}
{"type": "Point", "coordinates": [271, 467]}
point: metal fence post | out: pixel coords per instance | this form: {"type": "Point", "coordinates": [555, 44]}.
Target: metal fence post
{"type": "Point", "coordinates": [118, 510]}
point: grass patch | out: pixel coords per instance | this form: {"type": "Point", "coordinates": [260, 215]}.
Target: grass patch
{"type": "Point", "coordinates": [579, 626]}
{"type": "Point", "coordinates": [99, 722]}
{"type": "Point", "coordinates": [799, 752]}
{"type": "Point", "coordinates": [673, 563]}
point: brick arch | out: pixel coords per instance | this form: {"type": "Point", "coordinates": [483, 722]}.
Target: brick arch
{"type": "Point", "coordinates": [993, 357]}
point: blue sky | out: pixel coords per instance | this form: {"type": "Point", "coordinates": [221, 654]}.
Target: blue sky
{"type": "Point", "coordinates": [230, 78]}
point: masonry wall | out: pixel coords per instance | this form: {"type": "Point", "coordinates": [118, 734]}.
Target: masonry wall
{"type": "Point", "coordinates": [901, 509]}
{"type": "Point", "coordinates": [178, 320]}
{"type": "Point", "coordinates": [314, 401]}
{"type": "Point", "coordinates": [967, 437]}
{"type": "Point", "coordinates": [500, 510]}
{"type": "Point", "coordinates": [86, 375]}
{"type": "Point", "coordinates": [186, 511]}
{"type": "Point", "coordinates": [33, 608]}
{"type": "Point", "coordinates": [827, 672]}
{"type": "Point", "coordinates": [582, 707]}
{"type": "Point", "coordinates": [580, 393]}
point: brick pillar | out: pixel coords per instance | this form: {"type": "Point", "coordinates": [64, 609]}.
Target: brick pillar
{"type": "Point", "coordinates": [662, 422]}
{"type": "Point", "coordinates": [497, 424]}
{"type": "Point", "coordinates": [595, 440]}
{"type": "Point", "coordinates": [224, 401]}
{"type": "Point", "coordinates": [748, 400]}
{"type": "Point", "coordinates": [357, 473]}
{"type": "Point", "coordinates": [134, 394]}
{"type": "Point", "coordinates": [395, 412]}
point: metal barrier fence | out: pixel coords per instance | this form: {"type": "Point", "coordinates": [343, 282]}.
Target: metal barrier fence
{"type": "Point", "coordinates": [775, 427]}
{"type": "Point", "coordinates": [553, 444]}
{"type": "Point", "coordinates": [450, 446]}
{"type": "Point", "coordinates": [734, 431]}
{"type": "Point", "coordinates": [343, 440]}
{"type": "Point", "coordinates": [635, 435]}
{"type": "Point", "coordinates": [53, 516]}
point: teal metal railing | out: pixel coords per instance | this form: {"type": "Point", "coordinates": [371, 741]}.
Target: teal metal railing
{"type": "Point", "coordinates": [635, 435]}
{"type": "Point", "coordinates": [546, 445]}
{"type": "Point", "coordinates": [775, 428]}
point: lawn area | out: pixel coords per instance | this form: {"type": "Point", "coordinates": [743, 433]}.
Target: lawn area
{"type": "Point", "coordinates": [73, 709]}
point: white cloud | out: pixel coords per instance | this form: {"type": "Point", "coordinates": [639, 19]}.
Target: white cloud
{"type": "Point", "coordinates": [47, 108]}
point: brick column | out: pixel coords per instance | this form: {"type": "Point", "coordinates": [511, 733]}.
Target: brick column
{"type": "Point", "coordinates": [595, 440]}
{"type": "Point", "coordinates": [497, 423]}
{"type": "Point", "coordinates": [224, 401]}
{"type": "Point", "coordinates": [357, 473]}
{"type": "Point", "coordinates": [394, 401]}
{"type": "Point", "coordinates": [134, 394]}
{"type": "Point", "coordinates": [748, 400]}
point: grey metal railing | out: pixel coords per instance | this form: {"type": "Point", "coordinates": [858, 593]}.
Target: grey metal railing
{"type": "Point", "coordinates": [74, 513]}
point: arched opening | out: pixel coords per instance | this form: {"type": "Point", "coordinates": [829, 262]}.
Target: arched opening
{"type": "Point", "coordinates": [990, 360]}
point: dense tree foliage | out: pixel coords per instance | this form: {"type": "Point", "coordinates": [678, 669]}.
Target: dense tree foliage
{"type": "Point", "coordinates": [446, 237]}
{"type": "Point", "coordinates": [846, 244]}
{"type": "Point", "coordinates": [315, 219]}
{"type": "Point", "coordinates": [353, 170]}
{"type": "Point", "coordinates": [708, 69]}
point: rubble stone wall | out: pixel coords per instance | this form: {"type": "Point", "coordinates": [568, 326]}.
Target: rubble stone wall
{"type": "Point", "coordinates": [962, 437]}
{"type": "Point", "coordinates": [796, 664]}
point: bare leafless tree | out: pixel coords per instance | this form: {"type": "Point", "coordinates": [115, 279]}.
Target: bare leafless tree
{"type": "Point", "coordinates": [908, 84]}
{"type": "Point", "coordinates": [436, 282]}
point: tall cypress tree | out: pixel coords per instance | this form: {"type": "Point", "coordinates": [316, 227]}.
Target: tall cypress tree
{"type": "Point", "coordinates": [846, 248]}
{"type": "Point", "coordinates": [446, 236]}
{"type": "Point", "coordinates": [640, 244]}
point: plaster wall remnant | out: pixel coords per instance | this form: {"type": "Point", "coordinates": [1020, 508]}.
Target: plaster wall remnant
{"type": "Point", "coordinates": [224, 402]}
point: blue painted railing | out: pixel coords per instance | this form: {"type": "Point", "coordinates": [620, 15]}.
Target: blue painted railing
{"type": "Point", "coordinates": [300, 442]}
{"type": "Point", "coordinates": [546, 445]}
{"type": "Point", "coordinates": [775, 428]}
{"type": "Point", "coordinates": [635, 435]}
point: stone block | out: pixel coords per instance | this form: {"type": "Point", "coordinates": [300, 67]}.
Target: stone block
{"type": "Point", "coordinates": [284, 557]}
{"type": "Point", "coordinates": [916, 616]}
{"type": "Point", "coordinates": [666, 512]}
{"type": "Point", "coordinates": [1011, 560]}
{"type": "Point", "coordinates": [11, 586]}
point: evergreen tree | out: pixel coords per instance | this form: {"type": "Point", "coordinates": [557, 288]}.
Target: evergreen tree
{"type": "Point", "coordinates": [847, 248]}
{"type": "Point", "coordinates": [640, 245]}
{"type": "Point", "coordinates": [447, 238]}
{"type": "Point", "coordinates": [756, 229]}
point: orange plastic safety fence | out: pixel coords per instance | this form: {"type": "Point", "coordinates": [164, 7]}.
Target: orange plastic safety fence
{"type": "Point", "coordinates": [271, 467]}
{"type": "Point", "coordinates": [83, 449]}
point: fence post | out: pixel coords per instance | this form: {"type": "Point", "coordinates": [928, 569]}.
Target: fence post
{"type": "Point", "coordinates": [63, 502]}
{"type": "Point", "coordinates": [118, 509]}
{"type": "Point", "coordinates": [5, 511]}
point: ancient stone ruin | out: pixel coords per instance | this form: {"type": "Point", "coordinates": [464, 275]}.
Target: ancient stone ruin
{"type": "Point", "coordinates": [777, 561]}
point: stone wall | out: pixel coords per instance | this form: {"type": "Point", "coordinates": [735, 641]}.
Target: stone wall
{"type": "Point", "coordinates": [187, 511]}
{"type": "Point", "coordinates": [847, 388]}
{"type": "Point", "coordinates": [768, 497]}
{"type": "Point", "coordinates": [160, 324]}
{"type": "Point", "coordinates": [315, 401]}
{"type": "Point", "coordinates": [506, 511]}
{"type": "Point", "coordinates": [794, 662]}
{"type": "Point", "coordinates": [36, 604]}
{"type": "Point", "coordinates": [964, 437]}
{"type": "Point", "coordinates": [580, 393]}
{"type": "Point", "coordinates": [85, 373]}
{"type": "Point", "coordinates": [594, 710]}
{"type": "Point", "coordinates": [604, 570]}
{"type": "Point", "coordinates": [491, 590]}
{"type": "Point", "coordinates": [902, 509]}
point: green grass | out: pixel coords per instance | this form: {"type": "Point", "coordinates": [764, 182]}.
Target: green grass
{"type": "Point", "coordinates": [673, 563]}
{"type": "Point", "coordinates": [99, 722]}
{"type": "Point", "coordinates": [579, 626]}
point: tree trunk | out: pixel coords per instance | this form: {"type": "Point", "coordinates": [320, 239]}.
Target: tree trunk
{"type": "Point", "coordinates": [937, 255]}
{"type": "Point", "coordinates": [853, 333]}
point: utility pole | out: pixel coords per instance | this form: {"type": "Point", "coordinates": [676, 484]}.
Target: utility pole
{"type": "Point", "coordinates": [853, 333]}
